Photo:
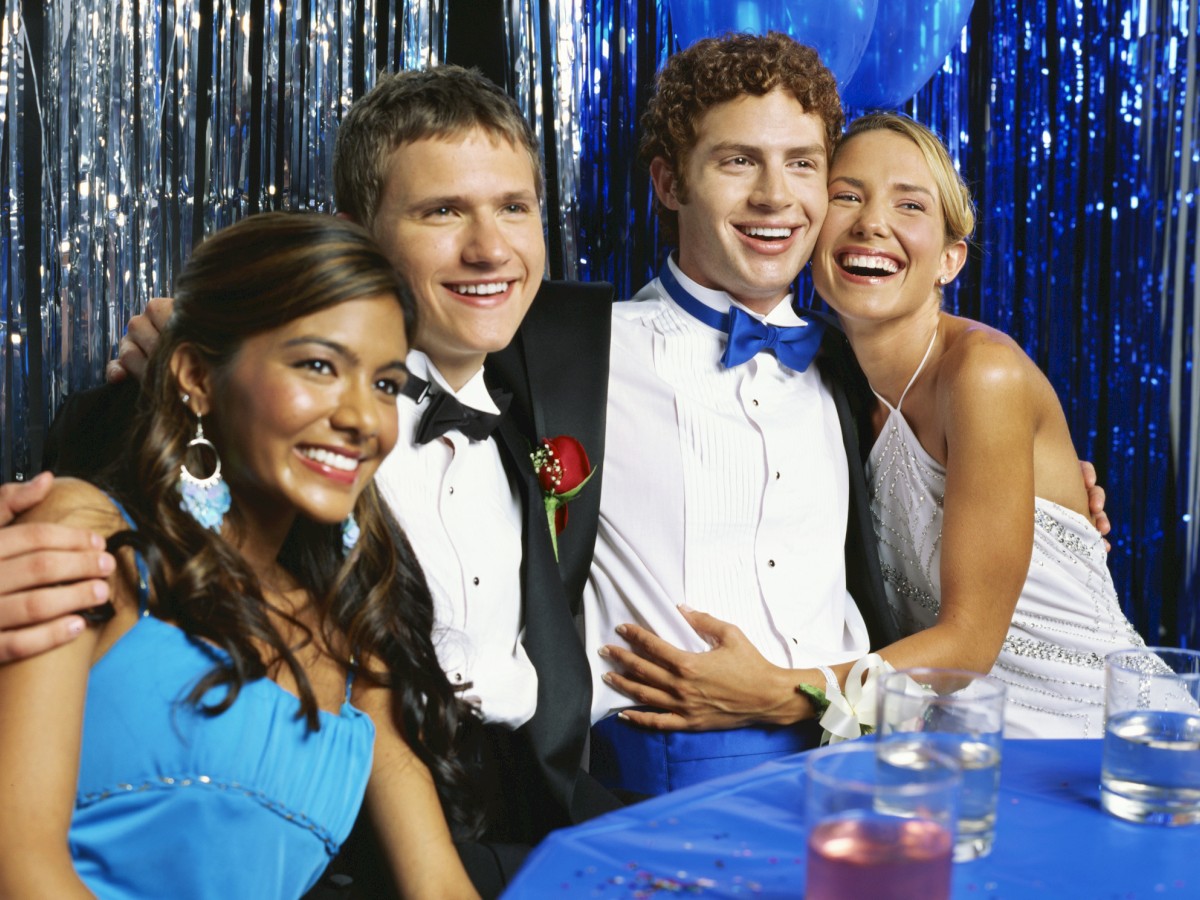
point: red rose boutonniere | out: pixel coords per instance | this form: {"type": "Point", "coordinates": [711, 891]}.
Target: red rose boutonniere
{"type": "Point", "coordinates": [562, 469]}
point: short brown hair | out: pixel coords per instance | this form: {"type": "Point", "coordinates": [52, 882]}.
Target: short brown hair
{"type": "Point", "coordinates": [444, 101]}
{"type": "Point", "coordinates": [717, 70]}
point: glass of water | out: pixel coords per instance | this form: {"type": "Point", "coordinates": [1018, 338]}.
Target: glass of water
{"type": "Point", "coordinates": [962, 714]}
{"type": "Point", "coordinates": [1151, 767]}
{"type": "Point", "coordinates": [877, 830]}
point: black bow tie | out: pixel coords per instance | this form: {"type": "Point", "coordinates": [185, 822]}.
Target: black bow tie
{"type": "Point", "coordinates": [446, 413]}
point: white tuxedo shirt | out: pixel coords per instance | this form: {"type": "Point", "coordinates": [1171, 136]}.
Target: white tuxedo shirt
{"type": "Point", "coordinates": [454, 501]}
{"type": "Point", "coordinates": [725, 489]}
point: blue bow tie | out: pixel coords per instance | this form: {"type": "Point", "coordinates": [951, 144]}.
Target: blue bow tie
{"type": "Point", "coordinates": [794, 346]}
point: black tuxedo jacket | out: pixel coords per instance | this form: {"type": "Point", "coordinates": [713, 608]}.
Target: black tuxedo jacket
{"type": "Point", "coordinates": [557, 371]}
{"type": "Point", "coordinates": [91, 430]}
{"type": "Point", "coordinates": [853, 398]}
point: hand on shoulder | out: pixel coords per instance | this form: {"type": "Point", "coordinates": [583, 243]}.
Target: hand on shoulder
{"type": "Point", "coordinates": [49, 567]}
{"type": "Point", "coordinates": [76, 503]}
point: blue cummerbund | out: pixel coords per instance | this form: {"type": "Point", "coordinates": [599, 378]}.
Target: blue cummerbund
{"type": "Point", "coordinates": [642, 761]}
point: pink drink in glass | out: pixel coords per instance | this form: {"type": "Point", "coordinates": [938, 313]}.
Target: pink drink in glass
{"type": "Point", "coordinates": [881, 857]}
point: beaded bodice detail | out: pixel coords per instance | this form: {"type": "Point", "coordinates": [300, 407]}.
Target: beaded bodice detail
{"type": "Point", "coordinates": [1067, 616]}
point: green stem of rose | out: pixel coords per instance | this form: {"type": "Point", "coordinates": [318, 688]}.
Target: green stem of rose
{"type": "Point", "coordinates": [551, 514]}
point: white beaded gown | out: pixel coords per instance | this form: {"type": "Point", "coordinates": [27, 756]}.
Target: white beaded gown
{"type": "Point", "coordinates": [1067, 617]}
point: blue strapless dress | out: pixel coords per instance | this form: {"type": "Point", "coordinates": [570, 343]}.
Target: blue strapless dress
{"type": "Point", "coordinates": [173, 803]}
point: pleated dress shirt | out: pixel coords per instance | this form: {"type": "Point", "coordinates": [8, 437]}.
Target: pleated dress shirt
{"type": "Point", "coordinates": [725, 489]}
{"type": "Point", "coordinates": [454, 501]}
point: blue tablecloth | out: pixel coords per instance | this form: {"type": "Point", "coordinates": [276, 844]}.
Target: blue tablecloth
{"type": "Point", "coordinates": [744, 836]}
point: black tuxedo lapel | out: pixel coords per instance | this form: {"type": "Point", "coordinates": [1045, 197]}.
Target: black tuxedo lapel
{"type": "Point", "coordinates": [91, 431]}
{"type": "Point", "coordinates": [557, 371]}
{"type": "Point", "coordinates": [558, 729]}
{"type": "Point", "coordinates": [864, 580]}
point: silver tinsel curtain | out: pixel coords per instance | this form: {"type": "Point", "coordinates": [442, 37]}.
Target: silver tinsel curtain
{"type": "Point", "coordinates": [130, 128]}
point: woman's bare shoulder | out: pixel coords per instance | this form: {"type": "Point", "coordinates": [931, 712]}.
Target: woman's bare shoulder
{"type": "Point", "coordinates": [72, 501]}
{"type": "Point", "coordinates": [979, 357]}
{"type": "Point", "coordinates": [985, 380]}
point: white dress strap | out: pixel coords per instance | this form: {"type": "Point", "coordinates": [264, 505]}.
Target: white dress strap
{"type": "Point", "coordinates": [920, 366]}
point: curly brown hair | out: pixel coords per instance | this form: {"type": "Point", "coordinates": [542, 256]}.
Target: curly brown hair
{"type": "Point", "coordinates": [716, 70]}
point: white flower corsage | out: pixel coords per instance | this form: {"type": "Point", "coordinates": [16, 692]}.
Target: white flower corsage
{"type": "Point", "coordinates": [852, 714]}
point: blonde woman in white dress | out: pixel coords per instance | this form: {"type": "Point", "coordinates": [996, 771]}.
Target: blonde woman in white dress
{"type": "Point", "coordinates": [990, 559]}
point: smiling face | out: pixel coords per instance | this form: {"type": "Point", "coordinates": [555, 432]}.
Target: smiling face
{"type": "Point", "coordinates": [459, 218]}
{"type": "Point", "coordinates": [755, 197]}
{"type": "Point", "coordinates": [882, 252]}
{"type": "Point", "coordinates": [303, 414]}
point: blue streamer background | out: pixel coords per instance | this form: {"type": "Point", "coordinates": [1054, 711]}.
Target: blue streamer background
{"type": "Point", "coordinates": [128, 129]}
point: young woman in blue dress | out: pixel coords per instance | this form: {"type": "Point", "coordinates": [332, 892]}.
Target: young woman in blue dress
{"type": "Point", "coordinates": [266, 659]}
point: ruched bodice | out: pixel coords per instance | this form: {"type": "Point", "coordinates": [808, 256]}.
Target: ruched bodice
{"type": "Point", "coordinates": [175, 803]}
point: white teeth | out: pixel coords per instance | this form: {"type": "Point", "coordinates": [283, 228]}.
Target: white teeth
{"type": "Point", "coordinates": [877, 263]}
{"type": "Point", "coordinates": [758, 231]}
{"type": "Point", "coordinates": [333, 460]}
{"type": "Point", "coordinates": [482, 290]}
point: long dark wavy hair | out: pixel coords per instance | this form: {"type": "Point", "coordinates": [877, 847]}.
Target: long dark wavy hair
{"type": "Point", "coordinates": [374, 609]}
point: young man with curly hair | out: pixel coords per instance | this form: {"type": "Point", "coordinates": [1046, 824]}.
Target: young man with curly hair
{"type": "Point", "coordinates": [733, 526]}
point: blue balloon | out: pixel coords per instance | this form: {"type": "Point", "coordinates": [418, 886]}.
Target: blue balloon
{"type": "Point", "coordinates": [837, 29]}
{"type": "Point", "coordinates": [910, 40]}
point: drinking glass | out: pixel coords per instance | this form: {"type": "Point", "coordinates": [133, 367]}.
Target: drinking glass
{"type": "Point", "coordinates": [962, 714]}
{"type": "Point", "coordinates": [878, 830]}
{"type": "Point", "coordinates": [1151, 764]}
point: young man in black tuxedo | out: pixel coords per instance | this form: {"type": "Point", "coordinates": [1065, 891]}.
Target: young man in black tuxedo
{"type": "Point", "coordinates": [443, 170]}
{"type": "Point", "coordinates": [760, 527]}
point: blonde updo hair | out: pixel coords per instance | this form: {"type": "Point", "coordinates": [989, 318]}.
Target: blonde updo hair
{"type": "Point", "coordinates": [958, 209]}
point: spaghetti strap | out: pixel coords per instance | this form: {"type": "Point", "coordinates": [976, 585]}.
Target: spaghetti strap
{"type": "Point", "coordinates": [143, 585]}
{"type": "Point", "coordinates": [912, 380]}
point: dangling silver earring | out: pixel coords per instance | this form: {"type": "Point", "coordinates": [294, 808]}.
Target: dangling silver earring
{"type": "Point", "coordinates": [205, 499]}
{"type": "Point", "coordinates": [350, 533]}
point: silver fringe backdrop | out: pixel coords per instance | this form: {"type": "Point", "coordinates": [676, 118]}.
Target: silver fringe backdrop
{"type": "Point", "coordinates": [130, 128]}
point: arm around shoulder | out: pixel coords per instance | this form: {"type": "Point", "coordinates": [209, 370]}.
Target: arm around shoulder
{"type": "Point", "coordinates": [41, 717]}
{"type": "Point", "coordinates": [47, 572]}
